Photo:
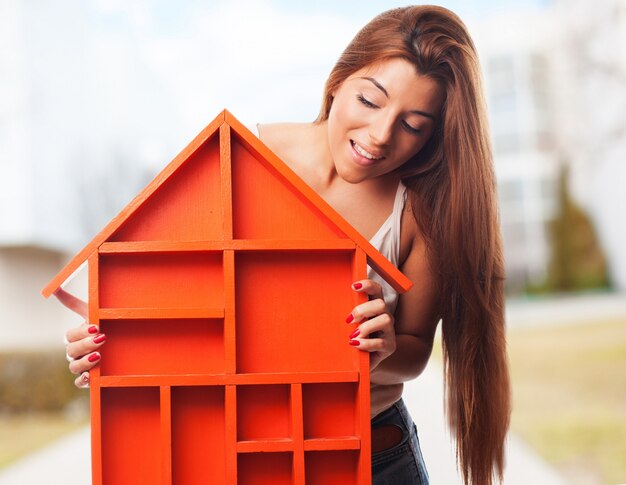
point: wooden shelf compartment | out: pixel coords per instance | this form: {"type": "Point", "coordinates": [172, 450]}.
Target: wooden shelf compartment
{"type": "Point", "coordinates": [198, 419]}
{"type": "Point", "coordinates": [135, 347]}
{"type": "Point", "coordinates": [275, 468]}
{"type": "Point", "coordinates": [330, 410]}
{"type": "Point", "coordinates": [170, 280]}
{"type": "Point", "coordinates": [281, 297]}
{"type": "Point", "coordinates": [339, 467]}
{"type": "Point", "coordinates": [264, 412]}
{"type": "Point", "coordinates": [131, 436]}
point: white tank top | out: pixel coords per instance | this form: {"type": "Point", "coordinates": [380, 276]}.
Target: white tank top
{"type": "Point", "coordinates": [386, 241]}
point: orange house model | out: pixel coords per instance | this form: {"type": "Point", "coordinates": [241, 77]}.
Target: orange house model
{"type": "Point", "coordinates": [223, 288]}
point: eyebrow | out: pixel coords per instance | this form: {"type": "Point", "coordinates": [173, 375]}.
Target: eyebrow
{"type": "Point", "coordinates": [384, 91]}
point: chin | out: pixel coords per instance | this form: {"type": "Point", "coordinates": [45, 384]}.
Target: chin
{"type": "Point", "coordinates": [352, 177]}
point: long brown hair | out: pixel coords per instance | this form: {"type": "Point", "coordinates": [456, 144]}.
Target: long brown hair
{"type": "Point", "coordinates": [453, 196]}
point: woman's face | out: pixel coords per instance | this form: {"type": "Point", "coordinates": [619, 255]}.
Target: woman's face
{"type": "Point", "coordinates": [380, 117]}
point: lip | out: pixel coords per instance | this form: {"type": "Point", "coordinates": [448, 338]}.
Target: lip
{"type": "Point", "coordinates": [360, 159]}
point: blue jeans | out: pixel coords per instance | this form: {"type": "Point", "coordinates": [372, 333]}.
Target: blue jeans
{"type": "Point", "coordinates": [402, 464]}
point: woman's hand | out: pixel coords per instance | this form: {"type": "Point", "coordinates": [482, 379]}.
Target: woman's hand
{"type": "Point", "coordinates": [375, 332]}
{"type": "Point", "coordinates": [81, 348]}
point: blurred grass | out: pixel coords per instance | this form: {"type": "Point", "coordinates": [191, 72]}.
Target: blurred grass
{"type": "Point", "coordinates": [569, 397]}
{"type": "Point", "coordinates": [25, 433]}
{"type": "Point", "coordinates": [38, 402]}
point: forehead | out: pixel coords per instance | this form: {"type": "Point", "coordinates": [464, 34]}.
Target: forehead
{"type": "Point", "coordinates": [401, 80]}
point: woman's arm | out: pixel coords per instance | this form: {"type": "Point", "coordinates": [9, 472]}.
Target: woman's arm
{"type": "Point", "coordinates": [415, 321]}
{"type": "Point", "coordinates": [400, 345]}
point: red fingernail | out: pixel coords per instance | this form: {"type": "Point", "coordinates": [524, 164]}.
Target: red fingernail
{"type": "Point", "coordinates": [349, 318]}
{"type": "Point", "coordinates": [95, 357]}
{"type": "Point", "coordinates": [93, 329]}
{"type": "Point", "coordinates": [357, 286]}
{"type": "Point", "coordinates": [355, 333]}
{"type": "Point", "coordinates": [355, 343]}
{"type": "Point", "coordinates": [98, 339]}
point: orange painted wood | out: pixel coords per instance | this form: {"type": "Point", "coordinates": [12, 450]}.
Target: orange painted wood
{"type": "Point", "coordinates": [198, 433]}
{"type": "Point", "coordinates": [187, 280]}
{"type": "Point", "coordinates": [237, 245]}
{"type": "Point", "coordinates": [263, 412]}
{"type": "Point", "coordinates": [161, 246]}
{"type": "Point", "coordinates": [230, 440]}
{"type": "Point", "coordinates": [223, 379]}
{"type": "Point", "coordinates": [185, 207]}
{"type": "Point", "coordinates": [94, 375]}
{"type": "Point", "coordinates": [337, 467]}
{"type": "Point", "coordinates": [275, 318]}
{"type": "Point", "coordinates": [112, 226]}
{"type": "Point", "coordinates": [321, 400]}
{"type": "Point", "coordinates": [226, 182]}
{"type": "Point", "coordinates": [223, 289]}
{"type": "Point", "coordinates": [230, 342]}
{"type": "Point", "coordinates": [363, 395]}
{"type": "Point", "coordinates": [131, 436]}
{"type": "Point", "coordinates": [254, 180]}
{"type": "Point", "coordinates": [156, 313]}
{"type": "Point", "coordinates": [265, 468]}
{"type": "Point", "coordinates": [166, 434]}
{"type": "Point", "coordinates": [320, 444]}
{"type": "Point", "coordinates": [163, 347]}
{"type": "Point", "coordinates": [293, 245]}
{"type": "Point", "coordinates": [393, 276]}
{"type": "Point", "coordinates": [260, 152]}
{"type": "Point", "coordinates": [297, 423]}
{"type": "Point", "coordinates": [265, 446]}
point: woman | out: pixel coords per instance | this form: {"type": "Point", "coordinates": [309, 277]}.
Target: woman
{"type": "Point", "coordinates": [402, 131]}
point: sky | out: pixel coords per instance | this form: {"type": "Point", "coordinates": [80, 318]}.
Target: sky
{"type": "Point", "coordinates": [264, 60]}
{"type": "Point", "coordinates": [112, 85]}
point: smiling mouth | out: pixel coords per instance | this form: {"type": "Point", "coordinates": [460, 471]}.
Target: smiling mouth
{"type": "Point", "coordinates": [364, 153]}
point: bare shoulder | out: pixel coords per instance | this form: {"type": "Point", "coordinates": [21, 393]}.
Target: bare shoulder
{"type": "Point", "coordinates": [282, 137]}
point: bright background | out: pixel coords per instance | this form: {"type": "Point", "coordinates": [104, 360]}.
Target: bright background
{"type": "Point", "coordinates": [97, 96]}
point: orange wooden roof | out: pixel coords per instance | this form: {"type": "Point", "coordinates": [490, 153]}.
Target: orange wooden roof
{"type": "Point", "coordinates": [376, 260]}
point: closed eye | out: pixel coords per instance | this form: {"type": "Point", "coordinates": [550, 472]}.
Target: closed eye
{"type": "Point", "coordinates": [411, 129]}
{"type": "Point", "coordinates": [367, 103]}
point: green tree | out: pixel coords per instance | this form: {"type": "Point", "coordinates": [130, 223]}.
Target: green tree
{"type": "Point", "coordinates": [577, 260]}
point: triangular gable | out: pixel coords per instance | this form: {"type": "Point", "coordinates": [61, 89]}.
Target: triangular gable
{"type": "Point", "coordinates": [375, 259]}
{"type": "Point", "coordinates": [271, 162]}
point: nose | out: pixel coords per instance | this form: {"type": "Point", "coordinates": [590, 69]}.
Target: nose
{"type": "Point", "coordinates": [381, 130]}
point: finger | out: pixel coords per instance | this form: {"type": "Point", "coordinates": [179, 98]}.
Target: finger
{"type": "Point", "coordinates": [79, 333]}
{"type": "Point", "coordinates": [370, 344]}
{"type": "Point", "coordinates": [368, 309]}
{"type": "Point", "coordinates": [380, 325]}
{"type": "Point", "coordinates": [369, 287]}
{"type": "Point", "coordinates": [79, 348]}
{"type": "Point", "coordinates": [85, 363]}
{"type": "Point", "coordinates": [82, 381]}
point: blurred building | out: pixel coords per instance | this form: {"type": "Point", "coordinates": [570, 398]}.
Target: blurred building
{"type": "Point", "coordinates": [517, 72]}
{"type": "Point", "coordinates": [68, 163]}
{"type": "Point", "coordinates": [36, 141]}
{"type": "Point", "coordinates": [555, 81]}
